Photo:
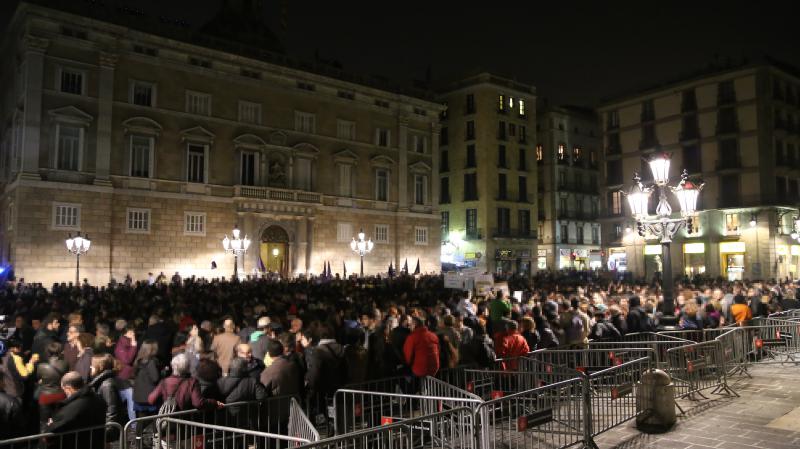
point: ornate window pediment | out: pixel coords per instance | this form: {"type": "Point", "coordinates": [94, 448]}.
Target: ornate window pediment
{"type": "Point", "coordinates": [249, 141]}
{"type": "Point", "coordinates": [142, 125]}
{"type": "Point", "coordinates": [419, 167]}
{"type": "Point", "coordinates": [72, 115]}
{"type": "Point", "coordinates": [382, 161]}
{"type": "Point", "coordinates": [306, 150]}
{"type": "Point", "coordinates": [345, 157]}
{"type": "Point", "coordinates": [277, 138]}
{"type": "Point", "coordinates": [198, 134]}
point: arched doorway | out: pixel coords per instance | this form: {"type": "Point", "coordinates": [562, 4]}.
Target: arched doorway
{"type": "Point", "coordinates": [274, 250]}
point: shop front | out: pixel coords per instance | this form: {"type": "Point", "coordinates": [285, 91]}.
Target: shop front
{"type": "Point", "coordinates": [573, 258]}
{"type": "Point", "coordinates": [653, 263]}
{"type": "Point", "coordinates": [541, 259]}
{"type": "Point", "coordinates": [595, 259]}
{"type": "Point", "coordinates": [787, 260]}
{"type": "Point", "coordinates": [732, 259]}
{"type": "Point", "coordinates": [617, 259]}
{"type": "Point", "coordinates": [509, 260]}
{"type": "Point", "coordinates": [524, 262]}
{"type": "Point", "coordinates": [694, 258]}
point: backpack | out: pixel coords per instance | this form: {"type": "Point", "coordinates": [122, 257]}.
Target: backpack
{"type": "Point", "coordinates": [574, 332]}
{"type": "Point", "coordinates": [168, 407]}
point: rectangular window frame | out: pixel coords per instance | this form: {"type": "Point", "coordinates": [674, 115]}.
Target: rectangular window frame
{"type": "Point", "coordinates": [81, 144]}
{"type": "Point", "coordinates": [421, 235]}
{"type": "Point", "coordinates": [344, 232]}
{"type": "Point", "coordinates": [205, 147]}
{"type": "Point", "coordinates": [192, 102]}
{"type": "Point", "coordinates": [59, 85]}
{"type": "Point", "coordinates": [420, 190]}
{"type": "Point", "coordinates": [381, 233]}
{"type": "Point", "coordinates": [54, 222]}
{"type": "Point", "coordinates": [379, 187]}
{"type": "Point", "coordinates": [132, 92]}
{"type": "Point", "coordinates": [194, 223]}
{"type": "Point", "coordinates": [142, 223]}
{"type": "Point", "coordinates": [305, 122]}
{"type": "Point", "coordinates": [150, 155]}
{"type": "Point", "coordinates": [256, 163]}
{"type": "Point", "coordinates": [345, 129]}
{"type": "Point", "coordinates": [250, 112]}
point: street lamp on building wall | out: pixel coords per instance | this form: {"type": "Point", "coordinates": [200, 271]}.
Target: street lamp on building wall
{"type": "Point", "coordinates": [361, 247]}
{"type": "Point", "coordinates": [236, 246]}
{"type": "Point", "coordinates": [78, 246]}
{"type": "Point", "coordinates": [662, 225]}
{"type": "Point", "coordinates": [796, 228]}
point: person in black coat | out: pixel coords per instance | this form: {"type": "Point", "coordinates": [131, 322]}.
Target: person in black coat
{"type": "Point", "coordinates": [10, 414]}
{"type": "Point", "coordinates": [82, 409]}
{"type": "Point", "coordinates": [104, 383]}
{"type": "Point", "coordinates": [638, 320]}
{"type": "Point", "coordinates": [326, 368]}
{"type": "Point", "coordinates": [238, 386]}
{"type": "Point", "coordinates": [162, 334]}
{"type": "Point", "coordinates": [47, 334]}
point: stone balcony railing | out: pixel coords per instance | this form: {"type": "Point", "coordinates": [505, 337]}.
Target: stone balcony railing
{"type": "Point", "coordinates": [276, 194]}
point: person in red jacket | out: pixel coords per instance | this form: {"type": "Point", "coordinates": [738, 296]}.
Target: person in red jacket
{"type": "Point", "coordinates": [421, 350]}
{"type": "Point", "coordinates": [511, 344]}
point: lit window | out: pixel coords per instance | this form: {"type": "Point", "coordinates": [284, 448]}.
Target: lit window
{"type": "Point", "coordinates": [344, 232]}
{"type": "Point", "coordinates": [510, 102]}
{"type": "Point", "coordinates": [501, 102]}
{"type": "Point", "coordinates": [381, 233]}
{"type": "Point", "coordinates": [561, 151]}
{"type": "Point", "coordinates": [194, 223]}
{"type": "Point", "coordinates": [139, 221]}
{"type": "Point", "coordinates": [539, 153]}
{"type": "Point", "coordinates": [66, 216]}
{"type": "Point", "coordinates": [521, 107]}
{"type": "Point", "coordinates": [732, 223]}
{"type": "Point", "coordinates": [420, 235]}
{"type": "Point", "coordinates": [616, 203]}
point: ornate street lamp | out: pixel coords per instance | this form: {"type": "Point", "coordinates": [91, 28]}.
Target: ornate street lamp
{"type": "Point", "coordinates": [236, 246]}
{"type": "Point", "coordinates": [78, 246]}
{"type": "Point", "coordinates": [662, 225]}
{"type": "Point", "coordinates": [796, 228]}
{"type": "Point", "coordinates": [361, 247]}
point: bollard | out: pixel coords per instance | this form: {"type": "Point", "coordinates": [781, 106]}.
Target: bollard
{"type": "Point", "coordinates": [655, 402]}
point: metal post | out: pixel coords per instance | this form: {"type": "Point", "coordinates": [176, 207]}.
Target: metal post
{"type": "Point", "coordinates": [362, 265]}
{"type": "Point", "coordinates": [78, 270]}
{"type": "Point", "coordinates": [666, 280]}
{"type": "Point", "coordinates": [235, 265]}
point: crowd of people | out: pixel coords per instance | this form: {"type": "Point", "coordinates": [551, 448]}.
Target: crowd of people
{"type": "Point", "coordinates": [137, 349]}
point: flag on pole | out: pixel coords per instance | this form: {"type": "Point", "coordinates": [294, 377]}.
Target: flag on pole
{"type": "Point", "coordinates": [344, 270]}
{"type": "Point", "coordinates": [416, 270]}
{"type": "Point", "coordinates": [261, 267]}
{"type": "Point", "coordinates": [329, 274]}
{"type": "Point", "coordinates": [391, 269]}
{"type": "Point", "coordinates": [405, 267]}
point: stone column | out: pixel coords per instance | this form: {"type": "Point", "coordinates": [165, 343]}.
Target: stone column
{"type": "Point", "coordinates": [309, 222]}
{"type": "Point", "coordinates": [105, 96]}
{"type": "Point", "coordinates": [301, 264]}
{"type": "Point", "coordinates": [402, 164]}
{"type": "Point", "coordinates": [35, 48]}
{"type": "Point", "coordinates": [434, 178]}
{"type": "Point", "coordinates": [291, 259]}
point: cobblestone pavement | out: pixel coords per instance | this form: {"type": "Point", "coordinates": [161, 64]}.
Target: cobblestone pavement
{"type": "Point", "coordinates": [750, 421]}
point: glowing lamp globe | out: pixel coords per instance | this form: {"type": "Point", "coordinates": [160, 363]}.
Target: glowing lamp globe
{"type": "Point", "coordinates": [659, 165]}
{"type": "Point", "coordinates": [687, 193]}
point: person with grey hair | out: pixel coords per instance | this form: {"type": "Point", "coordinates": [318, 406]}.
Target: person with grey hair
{"type": "Point", "coordinates": [182, 387]}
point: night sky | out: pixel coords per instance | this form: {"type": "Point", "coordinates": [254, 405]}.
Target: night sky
{"type": "Point", "coordinates": [573, 52]}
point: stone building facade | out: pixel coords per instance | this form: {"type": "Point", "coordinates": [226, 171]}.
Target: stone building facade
{"type": "Point", "coordinates": [157, 147]}
{"type": "Point", "coordinates": [488, 174]}
{"type": "Point", "coordinates": [738, 129]}
{"type": "Point", "coordinates": [568, 158]}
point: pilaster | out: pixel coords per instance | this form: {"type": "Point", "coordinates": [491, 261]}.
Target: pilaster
{"type": "Point", "coordinates": [105, 98]}
{"type": "Point", "coordinates": [402, 169]}
{"type": "Point", "coordinates": [34, 48]}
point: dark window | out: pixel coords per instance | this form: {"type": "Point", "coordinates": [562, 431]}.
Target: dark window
{"type": "Point", "coordinates": [444, 190]}
{"type": "Point", "coordinates": [649, 139]}
{"type": "Point", "coordinates": [726, 121]}
{"type": "Point", "coordinates": [470, 104]}
{"type": "Point", "coordinates": [614, 172]}
{"type": "Point", "coordinates": [471, 130]}
{"type": "Point", "coordinates": [512, 129]}
{"type": "Point", "coordinates": [522, 134]}
{"type": "Point", "coordinates": [444, 161]}
{"type": "Point", "coordinates": [792, 189]}
{"type": "Point", "coordinates": [501, 130]}
{"type": "Point", "coordinates": [445, 224]}
{"type": "Point", "coordinates": [614, 145]}
{"type": "Point", "coordinates": [780, 189]}
{"type": "Point", "coordinates": [501, 156]}
{"type": "Point", "coordinates": [580, 233]}
{"type": "Point", "coordinates": [524, 222]}
{"type": "Point", "coordinates": [593, 158]}
{"type": "Point", "coordinates": [780, 153]}
{"type": "Point", "coordinates": [523, 166]}
{"type": "Point", "coordinates": [648, 111]}
{"type": "Point", "coordinates": [564, 234]}
{"type": "Point", "coordinates": [612, 119]}
{"type": "Point", "coordinates": [502, 191]}
{"type": "Point", "coordinates": [690, 128]}
{"type": "Point", "coordinates": [249, 169]}
{"type": "Point", "coordinates": [726, 94]}
{"type": "Point", "coordinates": [470, 156]}
{"type": "Point", "coordinates": [729, 191]}
{"type": "Point", "coordinates": [523, 189]}
{"type": "Point", "coordinates": [472, 223]}
{"type": "Point", "coordinates": [470, 187]}
{"type": "Point", "coordinates": [444, 138]}
{"type": "Point", "coordinates": [728, 153]}
{"type": "Point", "coordinates": [503, 220]}
{"type": "Point", "coordinates": [688, 101]}
{"type": "Point", "coordinates": [691, 158]}
{"type": "Point", "coordinates": [777, 89]}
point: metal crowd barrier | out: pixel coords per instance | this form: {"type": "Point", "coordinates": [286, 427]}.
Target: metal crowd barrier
{"type": "Point", "coordinates": [736, 350]}
{"type": "Point", "coordinates": [98, 437]}
{"type": "Point", "coordinates": [299, 424]}
{"type": "Point", "coordinates": [182, 434]}
{"type": "Point", "coordinates": [546, 417]}
{"type": "Point", "coordinates": [319, 406]}
{"type": "Point", "coordinates": [658, 347]}
{"type": "Point", "coordinates": [697, 367]}
{"type": "Point", "coordinates": [270, 415]}
{"type": "Point", "coordinates": [442, 430]}
{"type": "Point", "coordinates": [611, 393]}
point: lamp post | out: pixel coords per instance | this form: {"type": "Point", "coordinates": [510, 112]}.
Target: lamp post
{"type": "Point", "coordinates": [662, 225]}
{"type": "Point", "coordinates": [361, 247]}
{"type": "Point", "coordinates": [236, 246]}
{"type": "Point", "coordinates": [78, 246]}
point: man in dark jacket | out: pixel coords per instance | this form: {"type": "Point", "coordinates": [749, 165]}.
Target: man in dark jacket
{"type": "Point", "coordinates": [283, 376]}
{"type": "Point", "coordinates": [47, 334]}
{"type": "Point", "coordinates": [253, 366]}
{"type": "Point", "coordinates": [238, 386]}
{"type": "Point", "coordinates": [160, 332]}
{"type": "Point", "coordinates": [82, 409]}
{"type": "Point", "coordinates": [638, 320]}
{"type": "Point", "coordinates": [326, 369]}
{"type": "Point", "coordinates": [10, 414]}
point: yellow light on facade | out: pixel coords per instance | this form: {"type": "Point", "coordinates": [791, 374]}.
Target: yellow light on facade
{"type": "Point", "coordinates": [782, 250]}
{"type": "Point", "coordinates": [732, 247]}
{"type": "Point", "coordinates": [694, 248]}
{"type": "Point", "coordinates": [795, 251]}
{"type": "Point", "coordinates": [652, 250]}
